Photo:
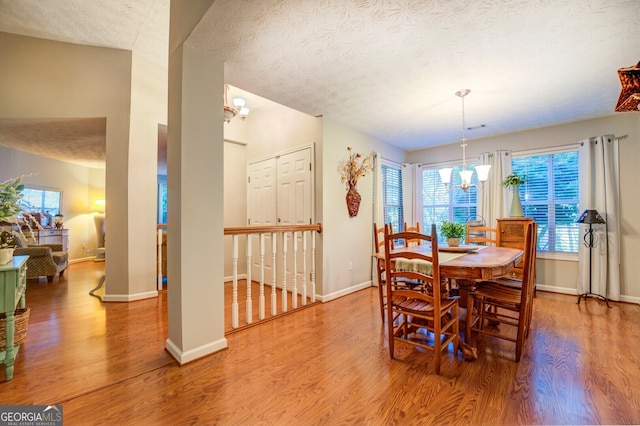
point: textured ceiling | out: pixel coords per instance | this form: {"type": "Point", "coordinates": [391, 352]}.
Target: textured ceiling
{"type": "Point", "coordinates": [388, 68]}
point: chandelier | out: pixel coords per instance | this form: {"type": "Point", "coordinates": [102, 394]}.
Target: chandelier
{"type": "Point", "coordinates": [239, 107]}
{"type": "Point", "coordinates": [465, 175]}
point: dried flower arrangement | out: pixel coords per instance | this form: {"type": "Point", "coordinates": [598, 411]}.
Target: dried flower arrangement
{"type": "Point", "coordinates": [351, 170]}
{"type": "Point", "coordinates": [354, 168]}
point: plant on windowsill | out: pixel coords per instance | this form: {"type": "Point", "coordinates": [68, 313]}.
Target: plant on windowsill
{"type": "Point", "coordinates": [453, 232]}
{"type": "Point", "coordinates": [514, 181]}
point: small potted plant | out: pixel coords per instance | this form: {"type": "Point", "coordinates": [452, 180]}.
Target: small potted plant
{"type": "Point", "coordinates": [453, 232]}
{"type": "Point", "coordinates": [514, 181]}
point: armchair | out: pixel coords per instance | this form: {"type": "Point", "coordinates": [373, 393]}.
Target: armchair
{"type": "Point", "coordinates": [44, 259]}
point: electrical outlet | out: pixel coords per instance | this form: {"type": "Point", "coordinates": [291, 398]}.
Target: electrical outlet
{"type": "Point", "coordinates": [350, 265]}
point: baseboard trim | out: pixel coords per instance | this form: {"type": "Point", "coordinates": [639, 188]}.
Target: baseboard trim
{"type": "Point", "coordinates": [129, 297]}
{"type": "Point", "coordinates": [184, 357]}
{"type": "Point", "coordinates": [344, 292]}
{"type": "Point", "coordinates": [574, 292]}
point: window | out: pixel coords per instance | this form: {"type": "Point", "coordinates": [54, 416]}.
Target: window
{"type": "Point", "coordinates": [392, 196]}
{"type": "Point", "coordinates": [550, 196]}
{"type": "Point", "coordinates": [43, 204]}
{"type": "Point", "coordinates": [162, 203]}
{"type": "Point", "coordinates": [440, 204]}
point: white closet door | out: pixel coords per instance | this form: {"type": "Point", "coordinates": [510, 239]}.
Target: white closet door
{"type": "Point", "coordinates": [262, 211]}
{"type": "Point", "coordinates": [280, 193]}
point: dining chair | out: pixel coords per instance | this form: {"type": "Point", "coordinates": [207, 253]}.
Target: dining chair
{"type": "Point", "coordinates": [481, 235]}
{"type": "Point", "coordinates": [378, 239]}
{"type": "Point", "coordinates": [426, 319]}
{"type": "Point", "coordinates": [413, 241]}
{"type": "Point", "coordinates": [494, 304]}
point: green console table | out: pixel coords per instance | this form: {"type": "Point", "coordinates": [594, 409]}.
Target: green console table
{"type": "Point", "coordinates": [13, 284]}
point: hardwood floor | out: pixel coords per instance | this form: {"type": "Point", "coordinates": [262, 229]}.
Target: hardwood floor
{"type": "Point", "coordinates": [327, 364]}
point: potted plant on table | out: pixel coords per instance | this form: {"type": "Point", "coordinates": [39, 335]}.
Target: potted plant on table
{"type": "Point", "coordinates": [514, 181]}
{"type": "Point", "coordinates": [453, 232]}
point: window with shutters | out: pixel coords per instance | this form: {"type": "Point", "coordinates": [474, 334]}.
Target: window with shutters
{"type": "Point", "coordinates": [550, 196]}
{"type": "Point", "coordinates": [440, 204]}
{"type": "Point", "coordinates": [392, 196]}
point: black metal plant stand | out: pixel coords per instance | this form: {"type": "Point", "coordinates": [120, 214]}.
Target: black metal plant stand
{"type": "Point", "coordinates": [591, 217]}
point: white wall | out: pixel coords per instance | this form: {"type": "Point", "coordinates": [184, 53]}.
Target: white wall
{"type": "Point", "coordinates": [347, 240]}
{"type": "Point", "coordinates": [235, 200]}
{"type": "Point", "coordinates": [561, 275]}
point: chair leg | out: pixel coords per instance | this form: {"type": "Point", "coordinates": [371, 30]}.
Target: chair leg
{"type": "Point", "coordinates": [62, 272]}
{"type": "Point", "coordinates": [381, 289]}
{"type": "Point", "coordinates": [49, 278]}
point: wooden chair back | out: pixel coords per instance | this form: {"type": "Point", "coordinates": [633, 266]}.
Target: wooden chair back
{"type": "Point", "coordinates": [409, 309]}
{"type": "Point", "coordinates": [378, 243]}
{"type": "Point", "coordinates": [482, 235]}
{"type": "Point", "coordinates": [414, 241]}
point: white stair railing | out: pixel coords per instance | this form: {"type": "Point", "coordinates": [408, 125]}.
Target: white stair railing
{"type": "Point", "coordinates": [292, 285]}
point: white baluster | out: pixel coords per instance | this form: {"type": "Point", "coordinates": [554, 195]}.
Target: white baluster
{"type": "Point", "coordinates": [304, 268]}
{"type": "Point", "coordinates": [313, 266]}
{"type": "Point", "coordinates": [234, 300]}
{"type": "Point", "coordinates": [261, 298]}
{"type": "Point", "coordinates": [294, 284]}
{"type": "Point", "coordinates": [274, 244]}
{"type": "Point", "coordinates": [284, 272]}
{"type": "Point", "coordinates": [249, 265]}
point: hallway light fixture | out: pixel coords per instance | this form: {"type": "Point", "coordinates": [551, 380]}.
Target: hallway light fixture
{"type": "Point", "coordinates": [465, 175]}
{"type": "Point", "coordinates": [239, 107]}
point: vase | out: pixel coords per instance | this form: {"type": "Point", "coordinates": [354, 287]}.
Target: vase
{"type": "Point", "coordinates": [353, 201]}
{"type": "Point", "coordinates": [6, 255]}
{"type": "Point", "coordinates": [453, 242]}
{"type": "Point", "coordinates": [516, 205]}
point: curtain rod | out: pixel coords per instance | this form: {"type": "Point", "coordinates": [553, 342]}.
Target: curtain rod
{"type": "Point", "coordinates": [592, 138]}
{"type": "Point", "coordinates": [386, 159]}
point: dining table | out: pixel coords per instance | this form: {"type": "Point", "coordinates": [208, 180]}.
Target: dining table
{"type": "Point", "coordinates": [469, 263]}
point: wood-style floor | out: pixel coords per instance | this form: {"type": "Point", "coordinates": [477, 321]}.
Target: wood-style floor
{"type": "Point", "coordinates": [327, 364]}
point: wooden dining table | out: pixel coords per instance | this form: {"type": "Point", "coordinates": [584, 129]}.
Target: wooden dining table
{"type": "Point", "coordinates": [477, 263]}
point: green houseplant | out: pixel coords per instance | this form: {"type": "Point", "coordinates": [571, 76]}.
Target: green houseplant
{"type": "Point", "coordinates": [514, 181]}
{"type": "Point", "coordinates": [453, 232]}
{"type": "Point", "coordinates": [10, 195]}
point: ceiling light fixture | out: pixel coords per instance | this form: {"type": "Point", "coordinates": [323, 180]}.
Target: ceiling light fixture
{"type": "Point", "coordinates": [629, 99]}
{"type": "Point", "coordinates": [465, 175]}
{"type": "Point", "coordinates": [239, 107]}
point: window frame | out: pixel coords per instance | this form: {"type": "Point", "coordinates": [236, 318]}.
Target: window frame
{"type": "Point", "coordinates": [455, 180]}
{"type": "Point", "coordinates": [553, 255]}
{"type": "Point", "coordinates": [40, 209]}
{"type": "Point", "coordinates": [400, 208]}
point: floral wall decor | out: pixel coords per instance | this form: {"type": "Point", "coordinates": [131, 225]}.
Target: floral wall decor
{"type": "Point", "coordinates": [352, 169]}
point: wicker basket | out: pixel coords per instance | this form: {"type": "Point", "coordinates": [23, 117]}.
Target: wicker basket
{"type": "Point", "coordinates": [20, 327]}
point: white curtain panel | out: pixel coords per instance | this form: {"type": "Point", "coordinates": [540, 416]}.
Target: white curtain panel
{"type": "Point", "coordinates": [409, 196]}
{"type": "Point", "coordinates": [493, 198]}
{"type": "Point", "coordinates": [378, 212]}
{"type": "Point", "coordinates": [599, 190]}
